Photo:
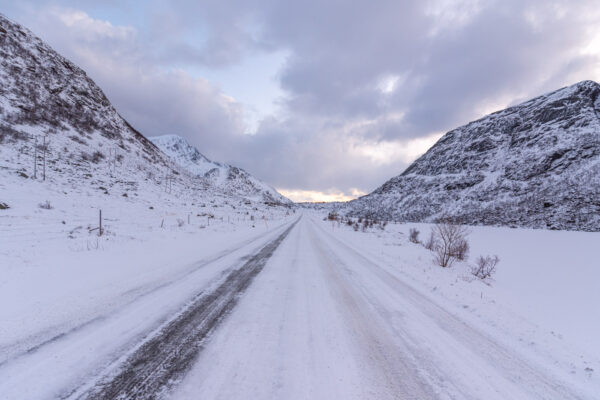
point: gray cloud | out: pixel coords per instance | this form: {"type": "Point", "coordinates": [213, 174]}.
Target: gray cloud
{"type": "Point", "coordinates": [450, 60]}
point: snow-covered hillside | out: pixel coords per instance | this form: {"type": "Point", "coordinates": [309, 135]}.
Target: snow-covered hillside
{"type": "Point", "coordinates": [229, 178]}
{"type": "Point", "coordinates": [536, 164]}
{"type": "Point", "coordinates": [62, 141]}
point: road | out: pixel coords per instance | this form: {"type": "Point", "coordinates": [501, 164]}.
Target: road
{"type": "Point", "coordinates": [301, 315]}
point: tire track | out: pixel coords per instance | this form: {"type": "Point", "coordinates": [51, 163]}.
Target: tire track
{"type": "Point", "coordinates": [161, 362]}
{"type": "Point", "coordinates": [40, 340]}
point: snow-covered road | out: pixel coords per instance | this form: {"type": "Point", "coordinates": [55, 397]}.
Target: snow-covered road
{"type": "Point", "coordinates": [296, 313]}
{"type": "Point", "coordinates": [324, 321]}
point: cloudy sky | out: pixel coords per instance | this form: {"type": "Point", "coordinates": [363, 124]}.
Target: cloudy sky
{"type": "Point", "coordinates": [324, 100]}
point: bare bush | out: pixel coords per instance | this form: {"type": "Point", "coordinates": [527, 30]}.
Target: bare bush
{"type": "Point", "coordinates": [180, 222]}
{"type": "Point", "coordinates": [485, 267]}
{"type": "Point", "coordinates": [45, 205]}
{"type": "Point", "coordinates": [413, 235]}
{"type": "Point", "coordinates": [430, 243]}
{"type": "Point", "coordinates": [448, 238]}
{"type": "Point", "coordinates": [461, 250]}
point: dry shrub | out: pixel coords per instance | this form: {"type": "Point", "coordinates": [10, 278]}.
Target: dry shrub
{"type": "Point", "coordinates": [450, 240]}
{"type": "Point", "coordinates": [413, 235]}
{"type": "Point", "coordinates": [430, 243]}
{"type": "Point", "coordinates": [485, 267]}
{"type": "Point", "coordinates": [46, 205]}
{"type": "Point", "coordinates": [461, 250]}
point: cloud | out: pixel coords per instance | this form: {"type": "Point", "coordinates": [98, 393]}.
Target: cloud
{"type": "Point", "coordinates": [155, 100]}
{"type": "Point", "coordinates": [368, 85]}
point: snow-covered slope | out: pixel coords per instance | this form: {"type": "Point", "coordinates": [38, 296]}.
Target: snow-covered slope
{"type": "Point", "coordinates": [60, 136]}
{"type": "Point", "coordinates": [536, 164]}
{"type": "Point", "coordinates": [229, 178]}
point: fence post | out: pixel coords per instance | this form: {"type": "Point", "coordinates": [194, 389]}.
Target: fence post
{"type": "Point", "coordinates": [44, 158]}
{"type": "Point", "coordinates": [35, 158]}
{"type": "Point", "coordinates": [100, 223]}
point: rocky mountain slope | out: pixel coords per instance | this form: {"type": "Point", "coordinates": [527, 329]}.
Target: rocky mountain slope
{"type": "Point", "coordinates": [229, 178]}
{"type": "Point", "coordinates": [58, 127]}
{"type": "Point", "coordinates": [536, 164]}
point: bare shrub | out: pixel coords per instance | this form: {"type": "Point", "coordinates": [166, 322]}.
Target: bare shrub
{"type": "Point", "coordinates": [180, 222]}
{"type": "Point", "coordinates": [448, 237]}
{"type": "Point", "coordinates": [461, 250]}
{"type": "Point", "coordinates": [46, 205]}
{"type": "Point", "coordinates": [485, 267]}
{"type": "Point", "coordinates": [355, 227]}
{"type": "Point", "coordinates": [430, 243]}
{"type": "Point", "coordinates": [366, 224]}
{"type": "Point", "coordinates": [413, 235]}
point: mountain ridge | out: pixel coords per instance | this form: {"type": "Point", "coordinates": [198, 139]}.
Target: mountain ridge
{"type": "Point", "coordinates": [535, 164]}
{"type": "Point", "coordinates": [223, 175]}
{"type": "Point", "coordinates": [50, 108]}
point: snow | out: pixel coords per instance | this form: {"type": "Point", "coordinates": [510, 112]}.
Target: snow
{"type": "Point", "coordinates": [184, 154]}
{"type": "Point", "coordinates": [321, 321]}
{"type": "Point", "coordinates": [231, 179]}
{"type": "Point", "coordinates": [104, 299]}
{"type": "Point", "coordinates": [334, 313]}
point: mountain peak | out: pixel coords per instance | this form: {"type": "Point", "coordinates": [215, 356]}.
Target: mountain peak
{"type": "Point", "coordinates": [229, 178]}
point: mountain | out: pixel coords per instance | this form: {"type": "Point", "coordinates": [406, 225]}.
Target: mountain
{"type": "Point", "coordinates": [536, 164]}
{"type": "Point", "coordinates": [55, 121]}
{"type": "Point", "coordinates": [229, 178]}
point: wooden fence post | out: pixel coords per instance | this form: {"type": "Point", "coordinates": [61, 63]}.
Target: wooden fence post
{"type": "Point", "coordinates": [44, 158]}
{"type": "Point", "coordinates": [35, 158]}
{"type": "Point", "coordinates": [100, 223]}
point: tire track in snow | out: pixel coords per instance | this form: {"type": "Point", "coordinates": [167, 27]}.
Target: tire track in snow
{"type": "Point", "coordinates": [39, 340]}
{"type": "Point", "coordinates": [391, 367]}
{"type": "Point", "coordinates": [160, 363]}
{"type": "Point", "coordinates": [527, 380]}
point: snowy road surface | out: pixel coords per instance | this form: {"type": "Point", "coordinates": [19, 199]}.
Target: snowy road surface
{"type": "Point", "coordinates": [293, 314]}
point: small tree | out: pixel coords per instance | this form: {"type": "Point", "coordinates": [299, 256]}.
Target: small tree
{"type": "Point", "coordinates": [448, 238]}
{"type": "Point", "coordinates": [413, 235]}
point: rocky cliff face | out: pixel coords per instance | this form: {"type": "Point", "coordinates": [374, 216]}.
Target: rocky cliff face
{"type": "Point", "coordinates": [536, 165]}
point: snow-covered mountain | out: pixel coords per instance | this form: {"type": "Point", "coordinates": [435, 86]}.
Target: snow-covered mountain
{"type": "Point", "coordinates": [229, 178]}
{"type": "Point", "coordinates": [55, 121]}
{"type": "Point", "coordinates": [536, 164]}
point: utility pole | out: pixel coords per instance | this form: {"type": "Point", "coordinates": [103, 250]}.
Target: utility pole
{"type": "Point", "coordinates": [44, 158]}
{"type": "Point", "coordinates": [35, 158]}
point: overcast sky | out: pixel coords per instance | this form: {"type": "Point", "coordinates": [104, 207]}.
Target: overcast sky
{"type": "Point", "coordinates": [322, 99]}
